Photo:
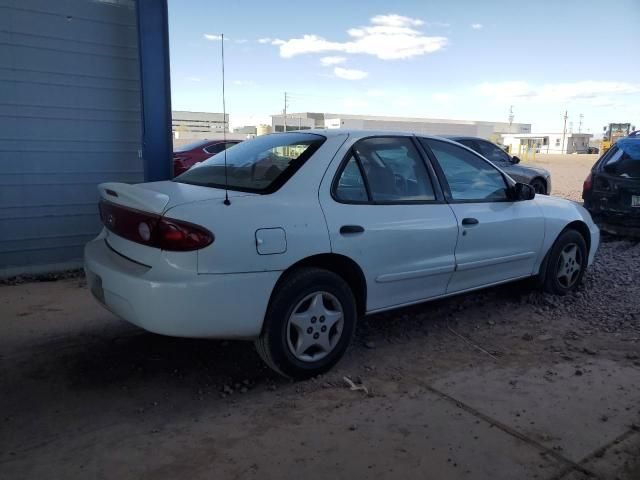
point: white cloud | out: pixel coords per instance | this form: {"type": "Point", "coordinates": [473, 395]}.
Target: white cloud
{"type": "Point", "coordinates": [327, 61]}
{"type": "Point", "coordinates": [442, 97]}
{"type": "Point", "coordinates": [394, 20]}
{"type": "Point", "coordinates": [349, 74]}
{"type": "Point", "coordinates": [375, 93]}
{"type": "Point", "coordinates": [243, 82]}
{"type": "Point", "coordinates": [210, 36]}
{"type": "Point", "coordinates": [388, 37]}
{"type": "Point", "coordinates": [402, 102]}
{"type": "Point", "coordinates": [271, 41]}
{"type": "Point", "coordinates": [477, 26]}
{"type": "Point", "coordinates": [194, 79]}
{"type": "Point", "coordinates": [515, 89]}
{"type": "Point", "coordinates": [354, 103]}
{"type": "Point", "coordinates": [597, 92]}
{"type": "Point", "coordinates": [241, 40]}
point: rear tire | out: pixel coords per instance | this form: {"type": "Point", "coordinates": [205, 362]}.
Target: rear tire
{"type": "Point", "coordinates": [309, 324]}
{"type": "Point", "coordinates": [566, 263]}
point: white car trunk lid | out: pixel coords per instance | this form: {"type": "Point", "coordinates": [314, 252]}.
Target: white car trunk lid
{"type": "Point", "coordinates": [158, 197]}
{"type": "Point", "coordinates": [154, 198]}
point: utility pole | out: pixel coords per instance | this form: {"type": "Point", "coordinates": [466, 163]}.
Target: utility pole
{"type": "Point", "coordinates": [580, 124]}
{"type": "Point", "coordinates": [511, 117]}
{"type": "Point", "coordinates": [564, 130]}
{"type": "Point", "coordinates": [285, 112]}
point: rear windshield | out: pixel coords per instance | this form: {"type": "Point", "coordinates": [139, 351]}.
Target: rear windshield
{"type": "Point", "coordinates": [624, 159]}
{"type": "Point", "coordinates": [261, 165]}
{"type": "Point", "coordinates": [191, 146]}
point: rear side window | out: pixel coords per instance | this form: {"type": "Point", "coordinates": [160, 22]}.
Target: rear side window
{"type": "Point", "coordinates": [261, 165]}
{"type": "Point", "coordinates": [469, 177]}
{"type": "Point", "coordinates": [392, 170]}
{"type": "Point", "coordinates": [350, 187]}
{"type": "Point", "coordinates": [624, 159]}
{"type": "Point", "coordinates": [493, 152]}
{"type": "Point", "coordinates": [218, 147]}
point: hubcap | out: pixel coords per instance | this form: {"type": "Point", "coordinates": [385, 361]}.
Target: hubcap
{"type": "Point", "coordinates": [569, 265]}
{"type": "Point", "coordinates": [315, 327]}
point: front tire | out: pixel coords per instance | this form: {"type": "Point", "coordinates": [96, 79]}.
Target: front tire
{"type": "Point", "coordinates": [566, 264]}
{"type": "Point", "coordinates": [309, 324]}
{"type": "Point", "coordinates": [540, 186]}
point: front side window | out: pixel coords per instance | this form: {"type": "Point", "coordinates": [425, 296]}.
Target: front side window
{"type": "Point", "coordinates": [493, 152]}
{"type": "Point", "coordinates": [261, 165]}
{"type": "Point", "coordinates": [394, 170]}
{"type": "Point", "coordinates": [470, 178]}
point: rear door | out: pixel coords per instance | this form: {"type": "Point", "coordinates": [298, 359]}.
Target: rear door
{"type": "Point", "coordinates": [498, 239]}
{"type": "Point", "coordinates": [385, 211]}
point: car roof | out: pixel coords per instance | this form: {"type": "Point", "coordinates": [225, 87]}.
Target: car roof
{"type": "Point", "coordinates": [463, 137]}
{"type": "Point", "coordinates": [332, 132]}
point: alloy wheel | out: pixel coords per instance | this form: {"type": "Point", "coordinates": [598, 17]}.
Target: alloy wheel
{"type": "Point", "coordinates": [315, 326]}
{"type": "Point", "coordinates": [569, 265]}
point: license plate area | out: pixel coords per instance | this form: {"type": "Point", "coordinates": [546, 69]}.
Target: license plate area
{"type": "Point", "coordinates": [635, 201]}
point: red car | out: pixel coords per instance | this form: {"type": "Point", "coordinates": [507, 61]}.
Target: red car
{"type": "Point", "coordinates": [188, 155]}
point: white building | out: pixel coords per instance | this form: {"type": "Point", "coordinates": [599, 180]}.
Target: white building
{"type": "Point", "coordinates": [547, 142]}
{"type": "Point", "coordinates": [197, 125]}
{"type": "Point", "coordinates": [434, 126]}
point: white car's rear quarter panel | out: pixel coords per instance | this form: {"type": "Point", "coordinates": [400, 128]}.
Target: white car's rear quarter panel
{"type": "Point", "coordinates": [294, 208]}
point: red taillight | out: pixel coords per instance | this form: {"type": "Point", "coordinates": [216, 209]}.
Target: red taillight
{"type": "Point", "coordinates": [153, 230]}
{"type": "Point", "coordinates": [180, 236]}
{"type": "Point", "coordinates": [588, 183]}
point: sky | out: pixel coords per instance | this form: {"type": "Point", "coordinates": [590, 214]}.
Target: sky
{"type": "Point", "coordinates": [454, 59]}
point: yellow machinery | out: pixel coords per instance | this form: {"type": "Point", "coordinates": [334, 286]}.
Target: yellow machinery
{"type": "Point", "coordinates": [612, 133]}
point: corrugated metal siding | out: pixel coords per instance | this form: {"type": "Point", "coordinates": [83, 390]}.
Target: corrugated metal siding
{"type": "Point", "coordinates": [69, 119]}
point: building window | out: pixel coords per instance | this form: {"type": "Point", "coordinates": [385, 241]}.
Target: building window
{"type": "Point", "coordinates": [557, 142]}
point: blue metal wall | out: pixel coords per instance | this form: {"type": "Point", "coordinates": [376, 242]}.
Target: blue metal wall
{"type": "Point", "coordinates": [70, 118]}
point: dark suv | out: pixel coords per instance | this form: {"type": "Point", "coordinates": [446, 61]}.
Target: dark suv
{"type": "Point", "coordinates": [611, 192]}
{"type": "Point", "coordinates": [537, 177]}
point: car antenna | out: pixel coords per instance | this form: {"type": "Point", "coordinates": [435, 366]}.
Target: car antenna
{"type": "Point", "coordinates": [224, 128]}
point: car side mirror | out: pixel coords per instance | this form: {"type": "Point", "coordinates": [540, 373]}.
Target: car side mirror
{"type": "Point", "coordinates": [515, 160]}
{"type": "Point", "coordinates": [523, 191]}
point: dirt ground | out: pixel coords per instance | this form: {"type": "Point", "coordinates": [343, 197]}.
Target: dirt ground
{"type": "Point", "coordinates": [503, 384]}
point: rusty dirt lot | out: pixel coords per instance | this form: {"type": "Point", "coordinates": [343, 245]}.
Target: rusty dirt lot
{"type": "Point", "coordinates": [503, 384]}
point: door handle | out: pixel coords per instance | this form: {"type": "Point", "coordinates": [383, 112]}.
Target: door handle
{"type": "Point", "coordinates": [348, 229]}
{"type": "Point", "coordinates": [470, 221]}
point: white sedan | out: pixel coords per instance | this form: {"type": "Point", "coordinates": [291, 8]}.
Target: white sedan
{"type": "Point", "coordinates": [301, 233]}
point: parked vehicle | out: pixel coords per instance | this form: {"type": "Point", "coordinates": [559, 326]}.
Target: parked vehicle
{"type": "Point", "coordinates": [188, 155]}
{"type": "Point", "coordinates": [538, 177]}
{"type": "Point", "coordinates": [611, 192]}
{"type": "Point", "coordinates": [612, 133]}
{"type": "Point", "coordinates": [302, 233]}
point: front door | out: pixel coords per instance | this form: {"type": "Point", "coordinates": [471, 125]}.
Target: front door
{"type": "Point", "coordinates": [499, 239]}
{"type": "Point", "coordinates": [385, 212]}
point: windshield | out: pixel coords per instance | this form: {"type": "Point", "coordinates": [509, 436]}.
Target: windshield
{"type": "Point", "coordinates": [260, 165]}
{"type": "Point", "coordinates": [191, 146]}
{"type": "Point", "coordinates": [625, 159]}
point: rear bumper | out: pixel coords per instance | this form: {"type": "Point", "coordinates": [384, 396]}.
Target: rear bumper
{"type": "Point", "coordinates": [178, 303]}
{"type": "Point", "coordinates": [618, 223]}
